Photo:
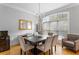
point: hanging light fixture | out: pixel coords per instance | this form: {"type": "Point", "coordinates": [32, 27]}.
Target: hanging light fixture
{"type": "Point", "coordinates": [39, 11]}
{"type": "Point", "coordinates": [39, 20]}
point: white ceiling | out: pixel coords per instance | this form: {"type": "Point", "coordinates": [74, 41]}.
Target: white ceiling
{"type": "Point", "coordinates": [45, 7]}
{"type": "Point", "coordinates": [34, 7]}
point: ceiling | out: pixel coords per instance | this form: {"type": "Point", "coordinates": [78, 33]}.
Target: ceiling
{"type": "Point", "coordinates": [33, 8]}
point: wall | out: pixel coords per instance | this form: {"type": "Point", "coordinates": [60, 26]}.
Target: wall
{"type": "Point", "coordinates": [9, 21]}
{"type": "Point", "coordinates": [74, 19]}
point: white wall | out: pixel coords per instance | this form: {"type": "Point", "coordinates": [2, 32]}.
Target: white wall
{"type": "Point", "coordinates": [9, 21]}
{"type": "Point", "coordinates": [74, 20]}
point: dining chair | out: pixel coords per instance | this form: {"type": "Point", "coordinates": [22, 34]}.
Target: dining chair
{"type": "Point", "coordinates": [54, 43]}
{"type": "Point", "coordinates": [24, 46]}
{"type": "Point", "coordinates": [46, 46]}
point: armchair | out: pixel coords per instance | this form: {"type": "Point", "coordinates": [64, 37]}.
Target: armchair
{"type": "Point", "coordinates": [71, 42]}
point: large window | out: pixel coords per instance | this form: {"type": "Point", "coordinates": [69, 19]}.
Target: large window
{"type": "Point", "coordinates": [56, 23]}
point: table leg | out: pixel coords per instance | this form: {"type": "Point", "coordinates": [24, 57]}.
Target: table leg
{"type": "Point", "coordinates": [35, 50]}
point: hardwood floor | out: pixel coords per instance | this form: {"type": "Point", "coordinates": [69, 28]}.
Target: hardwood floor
{"type": "Point", "coordinates": [15, 50]}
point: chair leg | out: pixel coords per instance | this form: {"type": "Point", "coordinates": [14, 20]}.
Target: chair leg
{"type": "Point", "coordinates": [24, 53]}
{"type": "Point", "coordinates": [30, 52]}
{"type": "Point", "coordinates": [49, 51]}
{"type": "Point", "coordinates": [55, 48]}
{"type": "Point", "coordinates": [75, 51]}
{"type": "Point", "coordinates": [44, 53]}
{"type": "Point", "coordinates": [21, 51]}
{"type": "Point", "coordinates": [62, 46]}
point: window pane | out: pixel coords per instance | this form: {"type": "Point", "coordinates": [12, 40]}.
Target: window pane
{"type": "Point", "coordinates": [53, 26]}
{"type": "Point", "coordinates": [62, 25]}
{"type": "Point", "coordinates": [57, 23]}
{"type": "Point", "coordinates": [46, 26]}
{"type": "Point", "coordinates": [45, 19]}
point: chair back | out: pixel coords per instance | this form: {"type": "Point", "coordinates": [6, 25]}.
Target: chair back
{"type": "Point", "coordinates": [48, 43]}
{"type": "Point", "coordinates": [22, 43]}
{"type": "Point", "coordinates": [72, 37]}
{"type": "Point", "coordinates": [54, 41]}
{"type": "Point", "coordinates": [50, 34]}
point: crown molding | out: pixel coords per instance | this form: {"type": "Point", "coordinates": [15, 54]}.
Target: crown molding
{"type": "Point", "coordinates": [18, 8]}
{"type": "Point", "coordinates": [59, 9]}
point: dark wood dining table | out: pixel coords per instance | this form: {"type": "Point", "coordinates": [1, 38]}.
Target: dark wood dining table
{"type": "Point", "coordinates": [35, 40]}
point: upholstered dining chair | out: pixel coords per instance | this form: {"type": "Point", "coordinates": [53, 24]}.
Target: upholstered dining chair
{"type": "Point", "coordinates": [24, 46]}
{"type": "Point", "coordinates": [46, 46]}
{"type": "Point", "coordinates": [54, 43]}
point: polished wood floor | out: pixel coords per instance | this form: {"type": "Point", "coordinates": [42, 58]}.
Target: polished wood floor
{"type": "Point", "coordinates": [15, 50]}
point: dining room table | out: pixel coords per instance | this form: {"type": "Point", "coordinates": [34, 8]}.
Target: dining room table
{"type": "Point", "coordinates": [35, 41]}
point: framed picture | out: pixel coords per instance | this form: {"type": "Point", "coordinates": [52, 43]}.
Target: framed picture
{"type": "Point", "coordinates": [28, 25]}
{"type": "Point", "coordinates": [25, 24]}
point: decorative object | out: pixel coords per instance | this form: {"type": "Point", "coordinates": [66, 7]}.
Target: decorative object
{"type": "Point", "coordinates": [25, 24]}
{"type": "Point", "coordinates": [39, 25]}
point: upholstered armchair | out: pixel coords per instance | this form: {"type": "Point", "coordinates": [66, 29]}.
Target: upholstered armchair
{"type": "Point", "coordinates": [71, 42]}
{"type": "Point", "coordinates": [23, 46]}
